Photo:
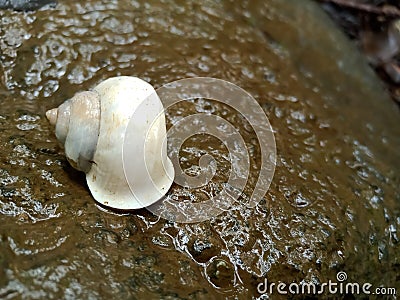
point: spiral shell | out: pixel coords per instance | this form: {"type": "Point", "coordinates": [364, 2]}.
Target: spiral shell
{"type": "Point", "coordinates": [92, 127]}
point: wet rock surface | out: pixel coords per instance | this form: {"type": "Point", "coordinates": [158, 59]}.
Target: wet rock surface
{"type": "Point", "coordinates": [334, 203]}
{"type": "Point", "coordinates": [25, 5]}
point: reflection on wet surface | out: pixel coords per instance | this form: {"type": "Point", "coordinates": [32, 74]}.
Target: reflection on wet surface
{"type": "Point", "coordinates": [334, 203]}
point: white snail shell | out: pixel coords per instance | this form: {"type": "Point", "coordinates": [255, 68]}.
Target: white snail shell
{"type": "Point", "coordinates": [92, 127]}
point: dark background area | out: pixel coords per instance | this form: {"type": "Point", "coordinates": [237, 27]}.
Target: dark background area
{"type": "Point", "coordinates": [375, 26]}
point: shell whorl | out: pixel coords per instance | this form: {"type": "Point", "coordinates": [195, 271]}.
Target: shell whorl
{"type": "Point", "coordinates": [51, 115]}
{"type": "Point", "coordinates": [77, 123]}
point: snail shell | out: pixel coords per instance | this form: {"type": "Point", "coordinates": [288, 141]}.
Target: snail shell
{"type": "Point", "coordinates": [93, 126]}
